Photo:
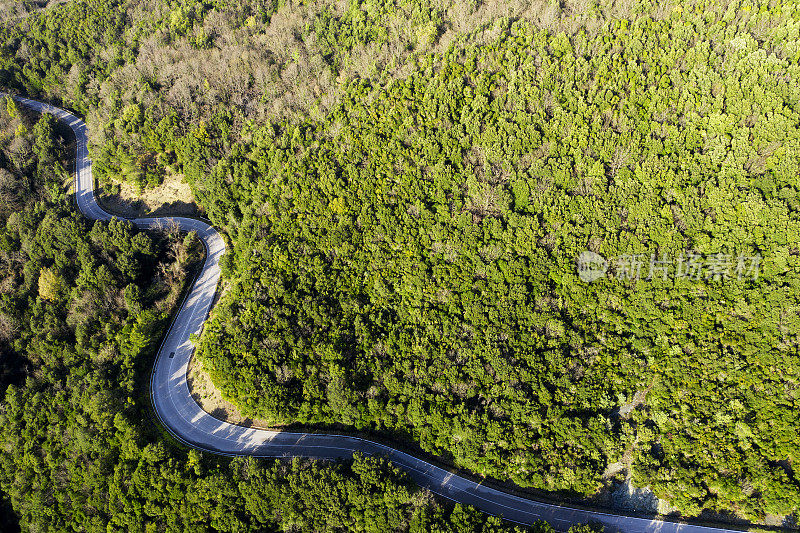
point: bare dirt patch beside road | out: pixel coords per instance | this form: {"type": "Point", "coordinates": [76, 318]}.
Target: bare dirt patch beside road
{"type": "Point", "coordinates": [172, 197]}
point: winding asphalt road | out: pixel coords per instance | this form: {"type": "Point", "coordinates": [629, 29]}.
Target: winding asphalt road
{"type": "Point", "coordinates": [188, 423]}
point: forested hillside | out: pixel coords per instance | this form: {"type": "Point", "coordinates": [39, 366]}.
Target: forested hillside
{"type": "Point", "coordinates": [82, 308]}
{"type": "Point", "coordinates": [407, 187]}
{"type": "Point", "coordinates": [408, 262]}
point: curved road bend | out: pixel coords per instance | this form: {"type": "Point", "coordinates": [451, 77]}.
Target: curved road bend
{"type": "Point", "coordinates": [188, 423]}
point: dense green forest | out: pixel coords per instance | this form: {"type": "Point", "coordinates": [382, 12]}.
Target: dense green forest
{"type": "Point", "coordinates": [407, 186]}
{"type": "Point", "coordinates": [408, 262]}
{"type": "Point", "coordinates": [82, 308]}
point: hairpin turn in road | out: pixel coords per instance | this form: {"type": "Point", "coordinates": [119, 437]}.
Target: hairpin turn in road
{"type": "Point", "coordinates": [188, 423]}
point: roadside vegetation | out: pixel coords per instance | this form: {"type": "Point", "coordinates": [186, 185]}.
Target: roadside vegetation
{"type": "Point", "coordinates": [82, 307]}
{"type": "Point", "coordinates": [407, 186]}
